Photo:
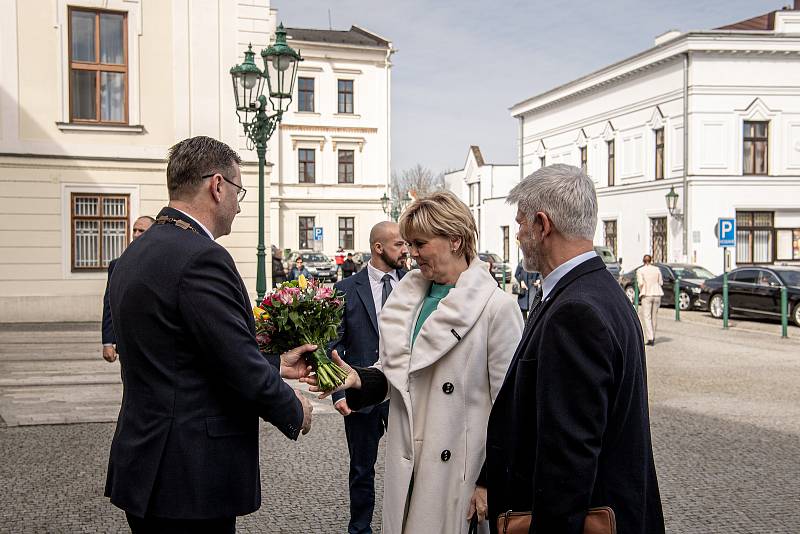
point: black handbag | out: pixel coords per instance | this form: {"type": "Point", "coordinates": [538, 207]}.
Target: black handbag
{"type": "Point", "coordinates": [517, 289]}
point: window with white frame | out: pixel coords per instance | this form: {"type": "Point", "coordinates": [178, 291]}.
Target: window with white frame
{"type": "Point", "coordinates": [612, 168]}
{"type": "Point", "coordinates": [659, 152]}
{"type": "Point", "coordinates": [347, 160]}
{"type": "Point", "coordinates": [99, 228]}
{"type": "Point", "coordinates": [347, 233]}
{"type": "Point", "coordinates": [584, 159]}
{"type": "Point", "coordinates": [305, 94]}
{"type": "Point", "coordinates": [306, 164]}
{"type": "Point", "coordinates": [345, 96]}
{"type": "Point", "coordinates": [755, 143]}
{"type": "Point", "coordinates": [755, 231]}
{"type": "Point", "coordinates": [98, 66]}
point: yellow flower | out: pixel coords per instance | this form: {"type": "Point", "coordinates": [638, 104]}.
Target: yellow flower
{"type": "Point", "coordinates": [302, 282]}
{"type": "Point", "coordinates": [260, 313]}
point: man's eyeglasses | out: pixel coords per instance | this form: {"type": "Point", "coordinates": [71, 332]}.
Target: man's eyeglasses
{"type": "Point", "coordinates": [242, 191]}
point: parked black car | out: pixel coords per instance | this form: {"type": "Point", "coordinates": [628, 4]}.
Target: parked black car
{"type": "Point", "coordinates": [755, 292]}
{"type": "Point", "coordinates": [692, 276]}
{"type": "Point", "coordinates": [499, 269]}
{"type": "Point", "coordinates": [612, 263]}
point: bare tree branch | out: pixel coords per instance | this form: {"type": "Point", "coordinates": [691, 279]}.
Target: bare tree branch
{"type": "Point", "coordinates": [418, 180]}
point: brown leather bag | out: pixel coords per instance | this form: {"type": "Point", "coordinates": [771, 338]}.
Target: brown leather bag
{"type": "Point", "coordinates": [599, 520]}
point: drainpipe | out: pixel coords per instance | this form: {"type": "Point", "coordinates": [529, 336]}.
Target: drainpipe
{"type": "Point", "coordinates": [686, 157]}
{"type": "Point", "coordinates": [388, 67]}
{"type": "Point", "coordinates": [521, 170]}
{"type": "Point", "coordinates": [521, 133]}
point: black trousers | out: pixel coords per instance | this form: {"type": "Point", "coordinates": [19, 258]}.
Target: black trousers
{"type": "Point", "coordinates": [157, 525]}
{"type": "Point", "coordinates": [364, 432]}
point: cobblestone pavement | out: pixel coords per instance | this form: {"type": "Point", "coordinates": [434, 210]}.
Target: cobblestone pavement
{"type": "Point", "coordinates": [725, 420]}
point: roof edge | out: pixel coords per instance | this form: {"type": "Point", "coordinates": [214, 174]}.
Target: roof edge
{"type": "Point", "coordinates": [679, 43]}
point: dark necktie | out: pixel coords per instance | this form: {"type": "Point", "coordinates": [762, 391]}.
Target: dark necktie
{"type": "Point", "coordinates": [537, 299]}
{"type": "Point", "coordinates": [387, 288]}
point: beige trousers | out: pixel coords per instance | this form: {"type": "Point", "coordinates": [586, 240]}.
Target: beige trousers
{"type": "Point", "coordinates": [648, 309]}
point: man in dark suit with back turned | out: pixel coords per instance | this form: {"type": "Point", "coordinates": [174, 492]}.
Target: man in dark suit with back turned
{"type": "Point", "coordinates": [365, 293]}
{"type": "Point", "coordinates": [570, 428]}
{"type": "Point", "coordinates": [184, 457]}
{"type": "Point", "coordinates": [140, 226]}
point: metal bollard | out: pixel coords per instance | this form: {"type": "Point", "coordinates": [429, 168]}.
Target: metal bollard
{"type": "Point", "coordinates": [635, 293]}
{"type": "Point", "coordinates": [784, 313]}
{"type": "Point", "coordinates": [725, 301]}
{"type": "Point", "coordinates": [677, 292]}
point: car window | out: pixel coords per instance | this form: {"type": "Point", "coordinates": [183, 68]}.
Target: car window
{"type": "Point", "coordinates": [605, 254]}
{"type": "Point", "coordinates": [665, 274]}
{"type": "Point", "coordinates": [315, 257]}
{"type": "Point", "coordinates": [766, 278]}
{"type": "Point", "coordinates": [790, 278]}
{"type": "Point", "coordinates": [693, 272]}
{"type": "Point", "coordinates": [745, 276]}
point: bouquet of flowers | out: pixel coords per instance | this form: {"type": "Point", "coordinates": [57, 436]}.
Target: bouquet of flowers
{"type": "Point", "coordinates": [300, 312]}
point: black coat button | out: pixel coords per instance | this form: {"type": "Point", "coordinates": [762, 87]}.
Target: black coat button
{"type": "Point", "coordinates": [445, 455]}
{"type": "Point", "coordinates": [448, 388]}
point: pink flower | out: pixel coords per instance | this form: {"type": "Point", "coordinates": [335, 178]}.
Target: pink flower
{"type": "Point", "coordinates": [262, 339]}
{"type": "Point", "coordinates": [323, 293]}
{"type": "Point", "coordinates": [283, 296]}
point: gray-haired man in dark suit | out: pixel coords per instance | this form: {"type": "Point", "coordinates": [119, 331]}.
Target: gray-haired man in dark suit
{"type": "Point", "coordinates": [570, 428]}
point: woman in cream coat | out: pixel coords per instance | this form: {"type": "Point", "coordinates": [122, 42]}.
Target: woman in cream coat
{"type": "Point", "coordinates": [447, 335]}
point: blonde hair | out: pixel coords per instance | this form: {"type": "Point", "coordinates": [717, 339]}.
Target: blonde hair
{"type": "Point", "coordinates": [442, 214]}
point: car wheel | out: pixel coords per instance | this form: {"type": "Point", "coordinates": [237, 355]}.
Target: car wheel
{"type": "Point", "coordinates": [796, 314]}
{"type": "Point", "coordinates": [684, 301]}
{"type": "Point", "coordinates": [630, 292]}
{"type": "Point", "coordinates": [716, 306]}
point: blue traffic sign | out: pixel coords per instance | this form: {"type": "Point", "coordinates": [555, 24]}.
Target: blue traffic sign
{"type": "Point", "coordinates": [317, 233]}
{"type": "Point", "coordinates": [726, 232]}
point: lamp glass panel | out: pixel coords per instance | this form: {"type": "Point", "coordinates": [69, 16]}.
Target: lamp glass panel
{"type": "Point", "coordinates": [249, 80]}
{"type": "Point", "coordinates": [282, 63]}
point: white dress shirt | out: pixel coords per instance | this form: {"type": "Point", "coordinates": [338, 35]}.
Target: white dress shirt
{"type": "Point", "coordinates": [376, 284]}
{"type": "Point", "coordinates": [198, 223]}
{"type": "Point", "coordinates": [552, 279]}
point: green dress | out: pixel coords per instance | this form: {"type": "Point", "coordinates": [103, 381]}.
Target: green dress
{"type": "Point", "coordinates": [436, 293]}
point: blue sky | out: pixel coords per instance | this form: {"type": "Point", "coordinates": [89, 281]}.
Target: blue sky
{"type": "Point", "coordinates": [462, 63]}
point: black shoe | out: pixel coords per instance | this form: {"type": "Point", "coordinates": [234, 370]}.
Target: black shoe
{"type": "Point", "coordinates": [651, 343]}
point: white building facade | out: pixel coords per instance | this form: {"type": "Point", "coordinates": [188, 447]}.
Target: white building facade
{"type": "Point", "coordinates": [484, 188]}
{"type": "Point", "coordinates": [331, 154]}
{"type": "Point", "coordinates": [714, 115]}
{"type": "Point", "coordinates": [92, 95]}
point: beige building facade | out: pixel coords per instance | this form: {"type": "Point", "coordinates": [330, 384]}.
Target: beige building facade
{"type": "Point", "coordinates": [332, 151]}
{"type": "Point", "coordinates": [92, 95]}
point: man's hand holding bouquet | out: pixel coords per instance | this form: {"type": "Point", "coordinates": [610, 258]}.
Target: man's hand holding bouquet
{"type": "Point", "coordinates": [302, 312]}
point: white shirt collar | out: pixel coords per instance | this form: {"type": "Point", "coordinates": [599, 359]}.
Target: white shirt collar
{"type": "Point", "coordinates": [377, 275]}
{"type": "Point", "coordinates": [558, 273]}
{"type": "Point", "coordinates": [376, 285]}
{"type": "Point", "coordinates": [198, 223]}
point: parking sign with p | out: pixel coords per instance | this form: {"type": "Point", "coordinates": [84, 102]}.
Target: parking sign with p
{"type": "Point", "coordinates": [726, 232]}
